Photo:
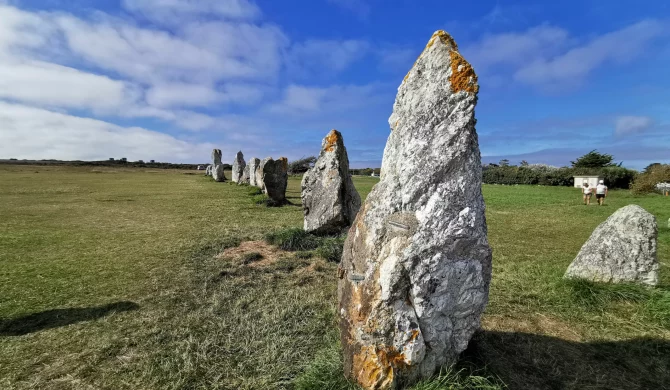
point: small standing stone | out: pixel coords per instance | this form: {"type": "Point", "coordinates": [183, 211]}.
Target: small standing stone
{"type": "Point", "coordinates": [238, 168]}
{"type": "Point", "coordinates": [208, 170]}
{"type": "Point", "coordinates": [329, 199]}
{"type": "Point", "coordinates": [254, 175]}
{"type": "Point", "coordinates": [621, 250]}
{"type": "Point", "coordinates": [275, 179]}
{"type": "Point", "coordinates": [218, 173]}
{"type": "Point", "coordinates": [416, 265]}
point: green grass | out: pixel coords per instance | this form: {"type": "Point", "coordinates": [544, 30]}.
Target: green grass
{"type": "Point", "coordinates": [110, 279]}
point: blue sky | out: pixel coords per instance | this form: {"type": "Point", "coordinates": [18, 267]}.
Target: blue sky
{"type": "Point", "coordinates": [171, 79]}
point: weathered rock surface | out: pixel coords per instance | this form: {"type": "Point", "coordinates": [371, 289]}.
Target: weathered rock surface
{"type": "Point", "coordinates": [329, 199]}
{"type": "Point", "coordinates": [218, 174]}
{"type": "Point", "coordinates": [275, 178]}
{"type": "Point", "coordinates": [416, 267]}
{"type": "Point", "coordinates": [621, 250]}
{"type": "Point", "coordinates": [255, 175]}
{"type": "Point", "coordinates": [216, 157]}
{"type": "Point", "coordinates": [238, 168]}
{"type": "Point", "coordinates": [245, 176]}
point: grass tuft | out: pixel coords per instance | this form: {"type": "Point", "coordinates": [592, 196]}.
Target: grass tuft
{"type": "Point", "coordinates": [253, 191]}
{"type": "Point", "coordinates": [588, 293]}
{"type": "Point", "coordinates": [293, 239]}
{"type": "Point", "coordinates": [331, 248]}
{"type": "Point", "coordinates": [457, 380]}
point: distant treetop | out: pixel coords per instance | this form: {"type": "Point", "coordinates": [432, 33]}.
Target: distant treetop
{"type": "Point", "coordinates": [593, 159]}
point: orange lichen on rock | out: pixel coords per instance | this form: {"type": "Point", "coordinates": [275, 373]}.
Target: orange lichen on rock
{"type": "Point", "coordinates": [376, 366]}
{"type": "Point", "coordinates": [442, 36]}
{"type": "Point", "coordinates": [463, 76]}
{"type": "Point", "coordinates": [331, 140]}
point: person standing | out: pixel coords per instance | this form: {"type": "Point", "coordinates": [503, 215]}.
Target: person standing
{"type": "Point", "coordinates": [601, 192]}
{"type": "Point", "coordinates": [587, 191]}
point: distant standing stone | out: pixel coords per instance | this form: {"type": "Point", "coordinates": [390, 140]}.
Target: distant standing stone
{"type": "Point", "coordinates": [238, 168]}
{"type": "Point", "coordinates": [208, 171]}
{"type": "Point", "coordinates": [621, 250]}
{"type": "Point", "coordinates": [275, 178]}
{"type": "Point", "coordinates": [329, 199]}
{"type": "Point", "coordinates": [216, 157]}
{"type": "Point", "coordinates": [254, 172]}
{"type": "Point", "coordinates": [416, 266]}
{"type": "Point", "coordinates": [218, 174]}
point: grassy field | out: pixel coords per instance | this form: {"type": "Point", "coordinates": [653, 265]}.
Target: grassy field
{"type": "Point", "coordinates": [135, 279]}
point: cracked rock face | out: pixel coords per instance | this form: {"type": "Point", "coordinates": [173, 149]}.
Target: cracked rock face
{"type": "Point", "coordinates": [416, 267]}
{"type": "Point", "coordinates": [238, 168]}
{"type": "Point", "coordinates": [275, 178]}
{"type": "Point", "coordinates": [245, 175]}
{"type": "Point", "coordinates": [329, 199]}
{"type": "Point", "coordinates": [218, 174]}
{"type": "Point", "coordinates": [621, 250]}
{"type": "Point", "coordinates": [254, 166]}
{"type": "Point", "coordinates": [216, 157]}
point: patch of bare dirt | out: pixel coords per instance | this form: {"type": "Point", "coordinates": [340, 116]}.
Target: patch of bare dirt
{"type": "Point", "coordinates": [536, 324]}
{"type": "Point", "coordinates": [269, 252]}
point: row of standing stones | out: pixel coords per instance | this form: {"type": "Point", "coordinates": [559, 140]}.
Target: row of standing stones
{"type": "Point", "coordinates": [270, 175]}
{"type": "Point", "coordinates": [416, 267]}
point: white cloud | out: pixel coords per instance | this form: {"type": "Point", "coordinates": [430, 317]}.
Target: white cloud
{"type": "Point", "coordinates": [574, 65]}
{"type": "Point", "coordinates": [324, 56]}
{"type": "Point", "coordinates": [549, 57]}
{"type": "Point", "coordinates": [33, 133]}
{"type": "Point", "coordinates": [46, 84]}
{"type": "Point", "coordinates": [171, 11]}
{"type": "Point", "coordinates": [304, 101]}
{"type": "Point", "coordinates": [516, 48]}
{"type": "Point", "coordinates": [626, 125]}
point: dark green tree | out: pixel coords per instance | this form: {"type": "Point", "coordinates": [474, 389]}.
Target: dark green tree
{"type": "Point", "coordinates": [302, 165]}
{"type": "Point", "coordinates": [593, 159]}
{"type": "Point", "coordinates": [524, 163]}
{"type": "Point", "coordinates": [504, 163]}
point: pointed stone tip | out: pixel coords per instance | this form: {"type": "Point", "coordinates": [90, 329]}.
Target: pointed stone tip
{"type": "Point", "coordinates": [332, 139]}
{"type": "Point", "coordinates": [463, 76]}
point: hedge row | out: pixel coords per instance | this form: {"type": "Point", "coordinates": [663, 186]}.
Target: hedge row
{"type": "Point", "coordinates": [615, 177]}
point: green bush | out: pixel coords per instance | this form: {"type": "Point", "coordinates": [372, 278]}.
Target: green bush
{"type": "Point", "coordinates": [645, 183]}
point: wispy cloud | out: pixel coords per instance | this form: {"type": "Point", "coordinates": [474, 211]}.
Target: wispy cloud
{"type": "Point", "coordinates": [319, 57]}
{"type": "Point", "coordinates": [626, 125]}
{"type": "Point", "coordinates": [360, 8]}
{"type": "Point", "coordinates": [550, 58]}
{"type": "Point", "coordinates": [174, 11]}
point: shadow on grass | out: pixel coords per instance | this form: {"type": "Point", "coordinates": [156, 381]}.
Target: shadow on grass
{"type": "Point", "coordinates": [529, 361]}
{"type": "Point", "coordinates": [60, 317]}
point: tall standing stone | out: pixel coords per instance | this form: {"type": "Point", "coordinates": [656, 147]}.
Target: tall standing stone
{"type": "Point", "coordinates": [254, 176]}
{"type": "Point", "coordinates": [416, 267]}
{"type": "Point", "coordinates": [238, 168]}
{"type": "Point", "coordinates": [216, 157]}
{"type": "Point", "coordinates": [329, 199]}
{"type": "Point", "coordinates": [275, 179]}
{"type": "Point", "coordinates": [621, 250]}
